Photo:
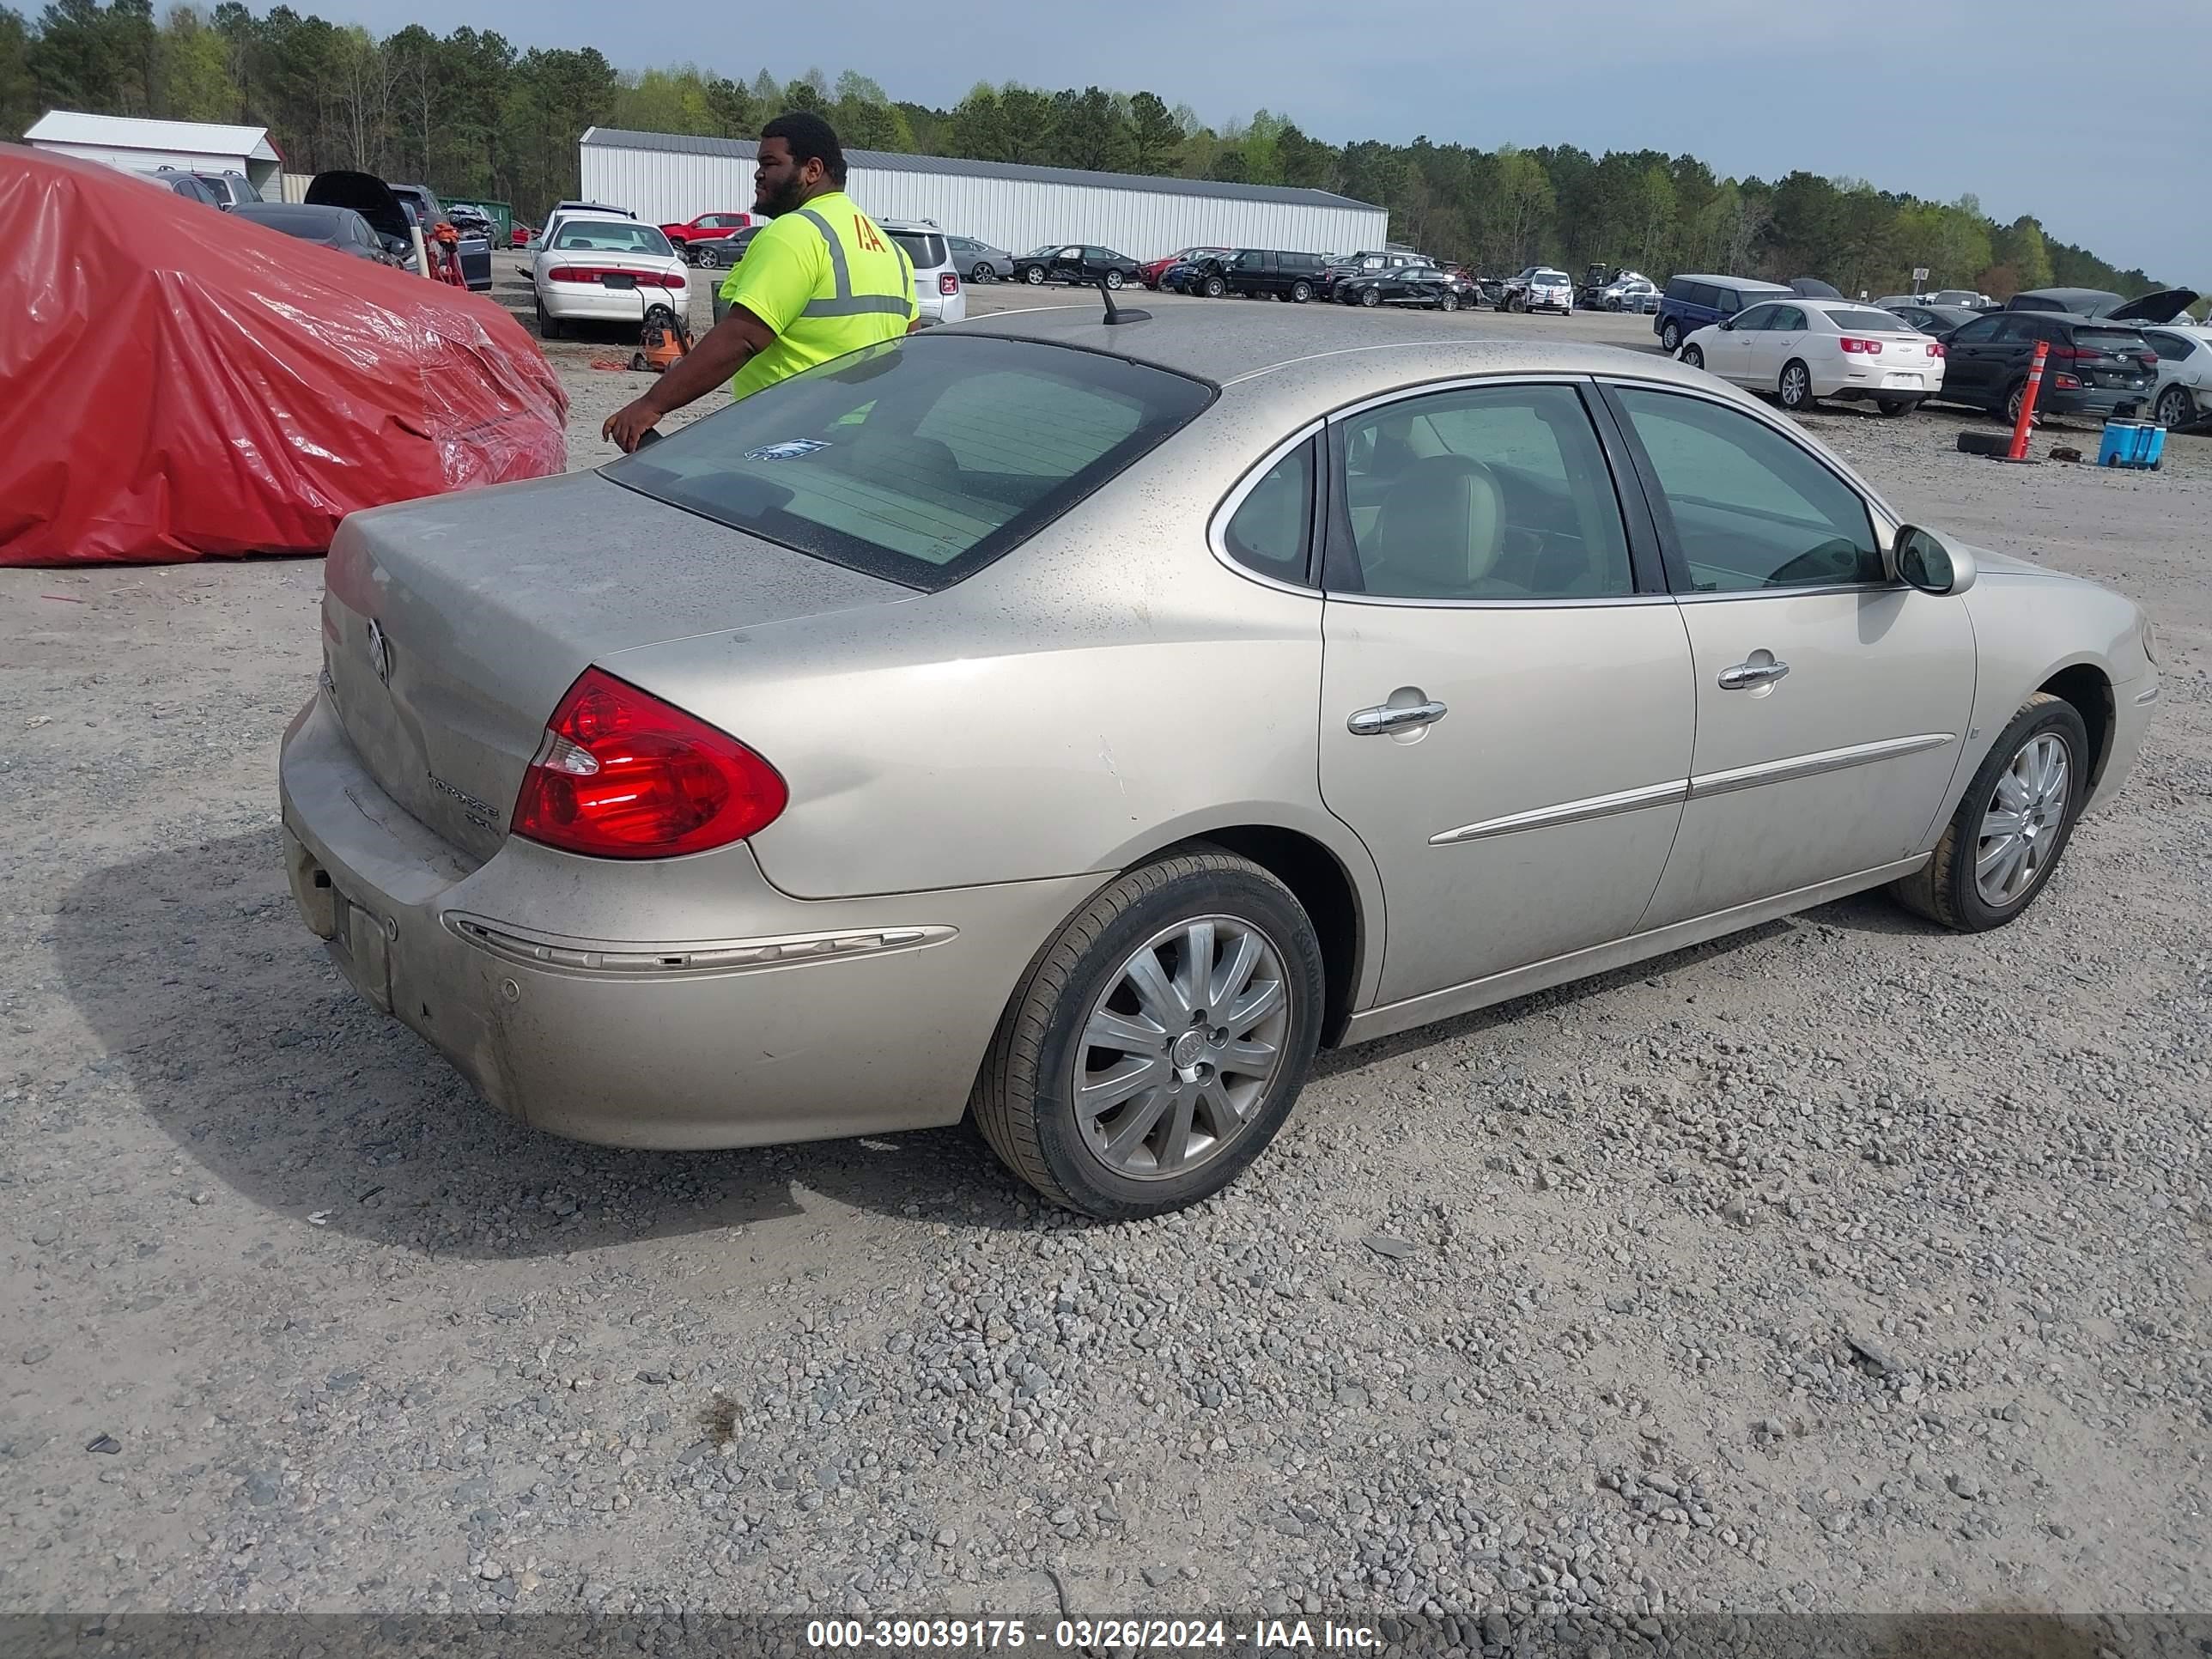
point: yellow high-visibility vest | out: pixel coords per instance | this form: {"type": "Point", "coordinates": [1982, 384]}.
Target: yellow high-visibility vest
{"type": "Point", "coordinates": [828, 279]}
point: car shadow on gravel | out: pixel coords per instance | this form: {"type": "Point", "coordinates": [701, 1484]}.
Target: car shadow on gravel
{"type": "Point", "coordinates": [240, 1041]}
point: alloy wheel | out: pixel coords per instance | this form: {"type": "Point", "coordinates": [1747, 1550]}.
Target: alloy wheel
{"type": "Point", "coordinates": [2021, 825]}
{"type": "Point", "coordinates": [1179, 1051]}
{"type": "Point", "coordinates": [1795, 385]}
{"type": "Point", "coordinates": [2174, 407]}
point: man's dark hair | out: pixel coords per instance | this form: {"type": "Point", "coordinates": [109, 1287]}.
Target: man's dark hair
{"type": "Point", "coordinates": [810, 139]}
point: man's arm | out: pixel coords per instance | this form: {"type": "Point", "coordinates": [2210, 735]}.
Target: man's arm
{"type": "Point", "coordinates": [721, 353]}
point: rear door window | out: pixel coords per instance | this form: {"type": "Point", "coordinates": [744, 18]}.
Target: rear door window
{"type": "Point", "coordinates": [1496, 494]}
{"type": "Point", "coordinates": [920, 460]}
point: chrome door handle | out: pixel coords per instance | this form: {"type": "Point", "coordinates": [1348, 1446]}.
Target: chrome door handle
{"type": "Point", "coordinates": [1371, 722]}
{"type": "Point", "coordinates": [1747, 674]}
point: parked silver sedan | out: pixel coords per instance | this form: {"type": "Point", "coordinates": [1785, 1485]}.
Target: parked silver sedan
{"type": "Point", "coordinates": [1079, 726]}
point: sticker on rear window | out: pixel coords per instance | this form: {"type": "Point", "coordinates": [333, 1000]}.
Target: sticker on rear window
{"type": "Point", "coordinates": [791, 449]}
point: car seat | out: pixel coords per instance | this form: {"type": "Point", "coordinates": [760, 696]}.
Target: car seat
{"type": "Point", "coordinates": [1440, 532]}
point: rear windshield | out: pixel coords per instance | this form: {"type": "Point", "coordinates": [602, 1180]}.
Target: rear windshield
{"type": "Point", "coordinates": [1870, 322]}
{"type": "Point", "coordinates": [920, 460]}
{"type": "Point", "coordinates": [2110, 341]}
{"type": "Point", "coordinates": [924, 248]}
{"type": "Point", "coordinates": [610, 236]}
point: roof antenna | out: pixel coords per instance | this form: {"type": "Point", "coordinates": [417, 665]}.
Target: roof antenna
{"type": "Point", "coordinates": [1114, 315]}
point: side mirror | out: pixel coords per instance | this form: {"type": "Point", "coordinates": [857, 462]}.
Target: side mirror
{"type": "Point", "coordinates": [1727, 325]}
{"type": "Point", "coordinates": [1918, 560]}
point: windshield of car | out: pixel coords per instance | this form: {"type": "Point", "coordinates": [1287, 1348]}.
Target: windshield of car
{"type": "Point", "coordinates": [1549, 276]}
{"type": "Point", "coordinates": [1870, 322]}
{"type": "Point", "coordinates": [926, 248]}
{"type": "Point", "coordinates": [923, 459]}
{"type": "Point", "coordinates": [609, 236]}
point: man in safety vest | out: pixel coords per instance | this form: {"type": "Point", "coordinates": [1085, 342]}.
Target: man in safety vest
{"type": "Point", "coordinates": [821, 279]}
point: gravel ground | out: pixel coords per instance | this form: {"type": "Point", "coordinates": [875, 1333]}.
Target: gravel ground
{"type": "Point", "coordinates": [1843, 1265]}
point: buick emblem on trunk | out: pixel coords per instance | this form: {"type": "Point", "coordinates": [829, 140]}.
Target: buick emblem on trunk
{"type": "Point", "coordinates": [379, 653]}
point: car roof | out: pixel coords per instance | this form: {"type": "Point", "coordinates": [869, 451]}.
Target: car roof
{"type": "Point", "coordinates": [1748, 284]}
{"type": "Point", "coordinates": [1293, 354]}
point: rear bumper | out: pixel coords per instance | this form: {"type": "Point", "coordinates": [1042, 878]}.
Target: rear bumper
{"type": "Point", "coordinates": [1854, 380]}
{"type": "Point", "coordinates": [2099, 401]}
{"type": "Point", "coordinates": [685, 1004]}
{"type": "Point", "coordinates": [576, 302]}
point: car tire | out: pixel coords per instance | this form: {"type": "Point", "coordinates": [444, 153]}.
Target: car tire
{"type": "Point", "coordinates": [1670, 336]}
{"type": "Point", "coordinates": [1300, 292]}
{"type": "Point", "coordinates": [1213, 287]}
{"type": "Point", "coordinates": [637, 363]}
{"type": "Point", "coordinates": [1113, 279]}
{"type": "Point", "coordinates": [1033, 274]}
{"type": "Point", "coordinates": [1894, 407]}
{"type": "Point", "coordinates": [2175, 407]}
{"type": "Point", "coordinates": [2015, 395]}
{"type": "Point", "coordinates": [1448, 302]}
{"type": "Point", "coordinates": [548, 328]}
{"type": "Point", "coordinates": [982, 272]}
{"type": "Point", "coordinates": [1952, 891]}
{"type": "Point", "coordinates": [1694, 357]}
{"type": "Point", "coordinates": [1793, 390]}
{"type": "Point", "coordinates": [1371, 297]}
{"type": "Point", "coordinates": [1084, 986]}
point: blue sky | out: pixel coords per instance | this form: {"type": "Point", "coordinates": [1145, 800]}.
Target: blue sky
{"type": "Point", "coordinates": [1925, 97]}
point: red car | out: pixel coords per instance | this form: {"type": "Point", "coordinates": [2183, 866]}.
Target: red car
{"type": "Point", "coordinates": [1149, 273]}
{"type": "Point", "coordinates": [522, 234]}
{"type": "Point", "coordinates": [706, 228]}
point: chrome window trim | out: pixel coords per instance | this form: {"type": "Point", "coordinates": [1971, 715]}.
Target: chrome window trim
{"type": "Point", "coordinates": [1454, 383]}
{"type": "Point", "coordinates": [1336, 598]}
{"type": "Point", "coordinates": [1217, 527]}
{"type": "Point", "coordinates": [1791, 592]}
{"type": "Point", "coordinates": [1488, 383]}
{"type": "Point", "coordinates": [1572, 811]}
{"type": "Point", "coordinates": [1812, 765]}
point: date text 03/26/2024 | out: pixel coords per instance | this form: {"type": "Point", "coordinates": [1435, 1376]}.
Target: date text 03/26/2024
{"type": "Point", "coordinates": [1070, 1634]}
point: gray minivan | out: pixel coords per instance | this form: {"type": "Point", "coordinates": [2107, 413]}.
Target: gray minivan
{"type": "Point", "coordinates": [1690, 303]}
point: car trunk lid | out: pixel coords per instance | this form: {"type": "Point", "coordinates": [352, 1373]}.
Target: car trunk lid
{"type": "Point", "coordinates": [2162, 306]}
{"type": "Point", "coordinates": [453, 626]}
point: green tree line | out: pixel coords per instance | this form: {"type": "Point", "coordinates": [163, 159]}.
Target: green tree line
{"type": "Point", "coordinates": [471, 115]}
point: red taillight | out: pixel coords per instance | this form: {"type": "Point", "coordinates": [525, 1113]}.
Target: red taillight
{"type": "Point", "coordinates": [2069, 353]}
{"type": "Point", "coordinates": [2150, 360]}
{"type": "Point", "coordinates": [667, 279]}
{"type": "Point", "coordinates": [2065, 382]}
{"type": "Point", "coordinates": [948, 283]}
{"type": "Point", "coordinates": [1871, 348]}
{"type": "Point", "coordinates": [622, 775]}
{"type": "Point", "coordinates": [1935, 349]}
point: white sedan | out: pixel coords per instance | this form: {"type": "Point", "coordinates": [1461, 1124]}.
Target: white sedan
{"type": "Point", "coordinates": [605, 270]}
{"type": "Point", "coordinates": [1801, 350]}
{"type": "Point", "coordinates": [2184, 373]}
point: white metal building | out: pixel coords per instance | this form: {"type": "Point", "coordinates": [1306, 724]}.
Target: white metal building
{"type": "Point", "coordinates": [126, 141]}
{"type": "Point", "coordinates": [667, 177]}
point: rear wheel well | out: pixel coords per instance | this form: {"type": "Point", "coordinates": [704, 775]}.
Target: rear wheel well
{"type": "Point", "coordinates": [1312, 872]}
{"type": "Point", "coordinates": [2085, 686]}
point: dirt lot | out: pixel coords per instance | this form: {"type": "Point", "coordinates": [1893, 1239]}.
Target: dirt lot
{"type": "Point", "coordinates": [1843, 1265]}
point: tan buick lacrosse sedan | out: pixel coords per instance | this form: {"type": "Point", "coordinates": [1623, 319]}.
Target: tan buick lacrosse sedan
{"type": "Point", "coordinates": [1078, 725]}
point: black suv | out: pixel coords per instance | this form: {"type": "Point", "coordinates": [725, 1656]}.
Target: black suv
{"type": "Point", "coordinates": [1255, 271]}
{"type": "Point", "coordinates": [2094, 365]}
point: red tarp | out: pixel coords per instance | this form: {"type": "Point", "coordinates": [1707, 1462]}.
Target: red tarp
{"type": "Point", "coordinates": [175, 382]}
